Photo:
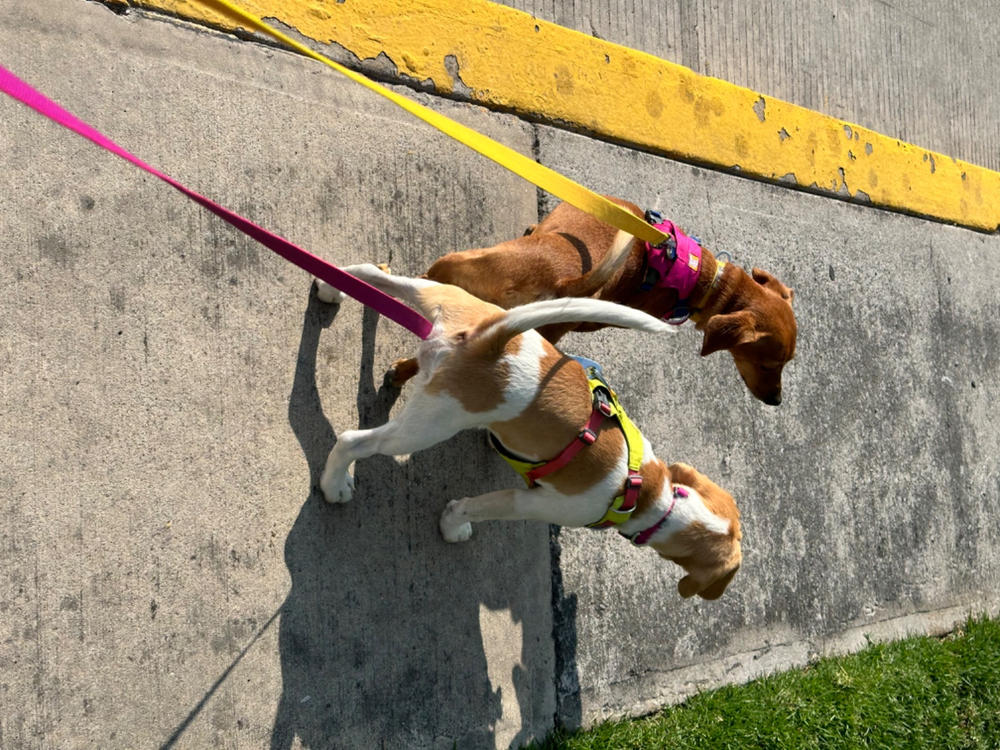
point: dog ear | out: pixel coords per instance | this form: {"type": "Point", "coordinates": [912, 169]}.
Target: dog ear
{"type": "Point", "coordinates": [687, 586]}
{"type": "Point", "coordinates": [681, 473]}
{"type": "Point", "coordinates": [768, 281]}
{"type": "Point", "coordinates": [728, 331]}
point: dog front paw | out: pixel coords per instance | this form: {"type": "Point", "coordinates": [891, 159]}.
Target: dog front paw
{"type": "Point", "coordinates": [337, 490]}
{"type": "Point", "coordinates": [453, 528]}
{"type": "Point", "coordinates": [328, 293]}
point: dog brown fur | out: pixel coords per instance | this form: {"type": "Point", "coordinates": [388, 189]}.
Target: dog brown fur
{"type": "Point", "coordinates": [749, 315]}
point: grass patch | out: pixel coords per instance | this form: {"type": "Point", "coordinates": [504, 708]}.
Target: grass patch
{"type": "Point", "coordinates": [935, 693]}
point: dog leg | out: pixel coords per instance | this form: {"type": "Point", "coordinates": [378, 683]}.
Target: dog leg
{"type": "Point", "coordinates": [509, 505]}
{"type": "Point", "coordinates": [400, 287]}
{"type": "Point", "coordinates": [426, 421]}
{"type": "Point", "coordinates": [329, 294]}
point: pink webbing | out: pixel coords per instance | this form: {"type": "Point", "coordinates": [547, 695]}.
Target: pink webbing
{"type": "Point", "coordinates": [682, 272]}
{"type": "Point", "coordinates": [345, 282]}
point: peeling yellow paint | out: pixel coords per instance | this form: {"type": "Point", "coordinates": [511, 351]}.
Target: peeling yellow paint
{"type": "Point", "coordinates": [515, 62]}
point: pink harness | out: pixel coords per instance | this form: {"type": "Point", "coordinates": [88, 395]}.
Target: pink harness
{"type": "Point", "coordinates": [674, 264]}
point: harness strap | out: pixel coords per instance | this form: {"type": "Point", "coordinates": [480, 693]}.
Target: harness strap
{"type": "Point", "coordinates": [674, 263]}
{"type": "Point", "coordinates": [587, 436]}
{"type": "Point", "coordinates": [605, 405]}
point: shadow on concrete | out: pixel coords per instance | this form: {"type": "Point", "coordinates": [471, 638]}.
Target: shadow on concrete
{"type": "Point", "coordinates": [380, 637]}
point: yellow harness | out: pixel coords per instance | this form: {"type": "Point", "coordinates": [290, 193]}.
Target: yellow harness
{"type": "Point", "coordinates": [605, 405]}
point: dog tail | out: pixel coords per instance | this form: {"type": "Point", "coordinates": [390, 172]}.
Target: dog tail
{"type": "Point", "coordinates": [599, 275]}
{"type": "Point", "coordinates": [568, 310]}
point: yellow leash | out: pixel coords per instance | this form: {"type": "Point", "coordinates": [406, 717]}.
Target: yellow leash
{"type": "Point", "coordinates": [545, 178]}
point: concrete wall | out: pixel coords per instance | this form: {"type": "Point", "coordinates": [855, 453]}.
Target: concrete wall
{"type": "Point", "coordinates": [869, 496]}
{"type": "Point", "coordinates": [170, 390]}
{"type": "Point", "coordinates": [904, 69]}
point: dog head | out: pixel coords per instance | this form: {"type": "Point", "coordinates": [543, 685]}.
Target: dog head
{"type": "Point", "coordinates": [758, 328]}
{"type": "Point", "coordinates": [708, 547]}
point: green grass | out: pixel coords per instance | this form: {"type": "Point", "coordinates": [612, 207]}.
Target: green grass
{"type": "Point", "coordinates": [922, 692]}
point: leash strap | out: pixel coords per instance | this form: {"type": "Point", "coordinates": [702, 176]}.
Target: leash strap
{"type": "Point", "coordinates": [355, 287]}
{"type": "Point", "coordinates": [545, 178]}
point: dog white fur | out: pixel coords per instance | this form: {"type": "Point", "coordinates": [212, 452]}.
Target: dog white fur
{"type": "Point", "coordinates": [483, 366]}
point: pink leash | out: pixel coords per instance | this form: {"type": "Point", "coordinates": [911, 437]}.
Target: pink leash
{"type": "Point", "coordinates": [345, 282]}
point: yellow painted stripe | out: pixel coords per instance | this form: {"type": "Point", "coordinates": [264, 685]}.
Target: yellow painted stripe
{"type": "Point", "coordinates": [509, 60]}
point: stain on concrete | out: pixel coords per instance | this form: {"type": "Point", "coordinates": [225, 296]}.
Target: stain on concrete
{"type": "Point", "coordinates": [654, 104]}
{"type": "Point", "coordinates": [741, 145]}
{"type": "Point", "coordinates": [117, 296]}
{"type": "Point", "coordinates": [564, 80]}
{"type": "Point", "coordinates": [55, 248]}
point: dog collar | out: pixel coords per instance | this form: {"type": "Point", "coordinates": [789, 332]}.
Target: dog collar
{"type": "Point", "coordinates": [675, 263]}
{"type": "Point", "coordinates": [642, 537]}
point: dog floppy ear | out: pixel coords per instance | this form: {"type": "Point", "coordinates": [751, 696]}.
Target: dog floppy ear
{"type": "Point", "coordinates": [768, 281]}
{"type": "Point", "coordinates": [728, 331]}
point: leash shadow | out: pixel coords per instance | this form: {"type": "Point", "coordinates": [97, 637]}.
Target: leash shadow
{"type": "Point", "coordinates": [380, 637]}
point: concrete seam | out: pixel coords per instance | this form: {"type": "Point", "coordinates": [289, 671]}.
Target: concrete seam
{"type": "Point", "coordinates": [566, 678]}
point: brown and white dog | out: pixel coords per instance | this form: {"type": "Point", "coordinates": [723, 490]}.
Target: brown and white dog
{"type": "Point", "coordinates": [572, 254]}
{"type": "Point", "coordinates": [485, 367]}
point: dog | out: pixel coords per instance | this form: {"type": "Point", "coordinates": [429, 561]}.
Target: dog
{"type": "Point", "coordinates": [572, 254]}
{"type": "Point", "coordinates": [482, 366]}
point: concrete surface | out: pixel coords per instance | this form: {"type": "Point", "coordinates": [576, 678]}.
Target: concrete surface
{"type": "Point", "coordinates": [869, 497]}
{"type": "Point", "coordinates": [923, 71]}
{"type": "Point", "coordinates": [555, 75]}
{"type": "Point", "coordinates": [170, 390]}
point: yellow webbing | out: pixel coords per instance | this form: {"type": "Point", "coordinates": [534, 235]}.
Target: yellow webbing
{"type": "Point", "coordinates": [545, 178]}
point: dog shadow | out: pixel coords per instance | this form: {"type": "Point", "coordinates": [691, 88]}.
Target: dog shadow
{"type": "Point", "coordinates": [379, 638]}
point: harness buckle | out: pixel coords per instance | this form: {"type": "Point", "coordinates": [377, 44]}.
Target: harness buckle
{"type": "Point", "coordinates": [633, 482]}
{"type": "Point", "coordinates": [602, 403]}
{"type": "Point", "coordinates": [587, 436]}
{"type": "Point", "coordinates": [653, 216]}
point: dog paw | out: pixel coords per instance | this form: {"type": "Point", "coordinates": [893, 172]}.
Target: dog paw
{"type": "Point", "coordinates": [328, 293]}
{"type": "Point", "coordinates": [453, 528]}
{"type": "Point", "coordinates": [337, 490]}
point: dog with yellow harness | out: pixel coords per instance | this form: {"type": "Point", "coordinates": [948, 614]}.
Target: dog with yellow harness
{"type": "Point", "coordinates": [555, 419]}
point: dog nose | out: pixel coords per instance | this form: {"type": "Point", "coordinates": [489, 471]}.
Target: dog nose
{"type": "Point", "coordinates": [773, 399]}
